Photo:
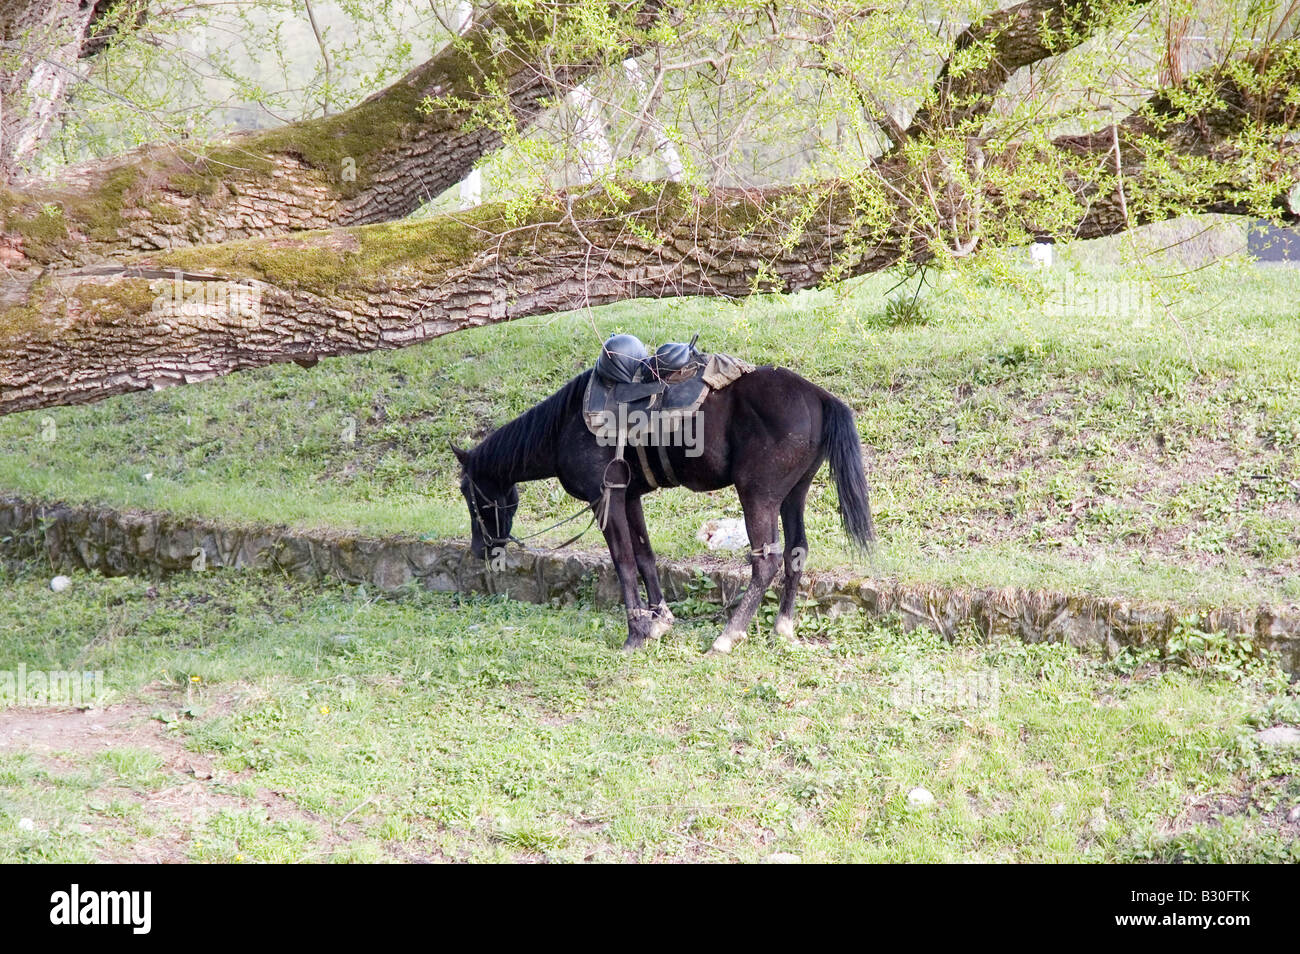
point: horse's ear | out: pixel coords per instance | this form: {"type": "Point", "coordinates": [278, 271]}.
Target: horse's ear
{"type": "Point", "coordinates": [462, 455]}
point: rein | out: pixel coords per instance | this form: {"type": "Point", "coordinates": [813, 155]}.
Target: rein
{"type": "Point", "coordinates": [561, 523]}
{"type": "Point", "coordinates": [511, 538]}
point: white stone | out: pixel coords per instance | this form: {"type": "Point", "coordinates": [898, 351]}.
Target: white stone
{"type": "Point", "coordinates": [26, 824]}
{"type": "Point", "coordinates": [727, 533]}
{"type": "Point", "coordinates": [1279, 735]}
{"type": "Point", "coordinates": [60, 583]}
{"type": "Point", "coordinates": [920, 798]}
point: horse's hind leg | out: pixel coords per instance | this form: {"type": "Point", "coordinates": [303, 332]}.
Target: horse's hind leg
{"type": "Point", "coordinates": [796, 552]}
{"type": "Point", "coordinates": [645, 563]}
{"type": "Point", "coordinates": [765, 559]}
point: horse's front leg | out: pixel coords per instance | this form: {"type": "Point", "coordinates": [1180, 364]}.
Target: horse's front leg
{"type": "Point", "coordinates": [619, 538]}
{"type": "Point", "coordinates": [765, 558]}
{"type": "Point", "coordinates": [645, 561]}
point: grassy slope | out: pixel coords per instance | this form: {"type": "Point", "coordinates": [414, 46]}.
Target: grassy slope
{"type": "Point", "coordinates": [432, 727]}
{"type": "Point", "coordinates": [1152, 456]}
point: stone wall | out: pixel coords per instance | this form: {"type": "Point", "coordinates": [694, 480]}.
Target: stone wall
{"type": "Point", "coordinates": [157, 544]}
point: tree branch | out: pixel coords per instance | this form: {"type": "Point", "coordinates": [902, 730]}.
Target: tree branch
{"type": "Point", "coordinates": [998, 45]}
{"type": "Point", "coordinates": [39, 41]}
{"type": "Point", "coordinates": [377, 161]}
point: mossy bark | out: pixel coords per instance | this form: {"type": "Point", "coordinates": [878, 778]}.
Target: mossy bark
{"type": "Point", "coordinates": [95, 332]}
{"type": "Point", "coordinates": [91, 332]}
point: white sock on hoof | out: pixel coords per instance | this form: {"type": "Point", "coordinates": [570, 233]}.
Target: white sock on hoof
{"type": "Point", "coordinates": [725, 643]}
{"type": "Point", "coordinates": [663, 621]}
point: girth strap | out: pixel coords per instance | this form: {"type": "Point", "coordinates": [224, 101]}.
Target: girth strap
{"type": "Point", "coordinates": [668, 468]}
{"type": "Point", "coordinates": [645, 467]}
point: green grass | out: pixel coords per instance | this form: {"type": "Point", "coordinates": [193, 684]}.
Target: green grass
{"type": "Point", "coordinates": [431, 726]}
{"type": "Point", "coordinates": [1152, 455]}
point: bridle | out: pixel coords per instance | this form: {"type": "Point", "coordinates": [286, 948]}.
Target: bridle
{"type": "Point", "coordinates": [493, 543]}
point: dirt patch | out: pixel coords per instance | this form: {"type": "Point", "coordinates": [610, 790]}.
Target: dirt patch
{"type": "Point", "coordinates": [55, 733]}
{"type": "Point", "coordinates": [195, 788]}
{"type": "Point", "coordinates": [1277, 813]}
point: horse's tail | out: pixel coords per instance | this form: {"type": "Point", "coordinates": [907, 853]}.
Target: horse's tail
{"type": "Point", "coordinates": [843, 448]}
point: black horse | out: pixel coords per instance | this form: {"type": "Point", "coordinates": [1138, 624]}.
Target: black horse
{"type": "Point", "coordinates": [768, 433]}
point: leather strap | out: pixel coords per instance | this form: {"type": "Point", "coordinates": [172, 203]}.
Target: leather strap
{"type": "Point", "coordinates": [645, 466]}
{"type": "Point", "coordinates": [668, 468]}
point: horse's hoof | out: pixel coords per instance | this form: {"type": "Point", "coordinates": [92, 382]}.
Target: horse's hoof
{"type": "Point", "coordinates": [785, 628]}
{"type": "Point", "coordinates": [663, 621]}
{"type": "Point", "coordinates": [723, 644]}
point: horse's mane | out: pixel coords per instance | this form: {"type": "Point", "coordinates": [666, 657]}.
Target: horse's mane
{"type": "Point", "coordinates": [510, 445]}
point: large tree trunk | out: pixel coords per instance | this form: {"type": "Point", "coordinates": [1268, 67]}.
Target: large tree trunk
{"type": "Point", "coordinates": [378, 161]}
{"type": "Point", "coordinates": [86, 334]}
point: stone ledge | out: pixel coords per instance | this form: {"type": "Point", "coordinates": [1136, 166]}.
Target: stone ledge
{"type": "Point", "coordinates": [117, 543]}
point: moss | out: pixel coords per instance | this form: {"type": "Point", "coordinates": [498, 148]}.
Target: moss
{"type": "Point", "coordinates": [323, 144]}
{"type": "Point", "coordinates": [113, 301]}
{"type": "Point", "coordinates": [313, 260]}
{"type": "Point", "coordinates": [462, 71]}
{"type": "Point", "coordinates": [100, 214]}
{"type": "Point", "coordinates": [164, 213]}
{"type": "Point", "coordinates": [124, 299]}
{"type": "Point", "coordinates": [20, 320]}
{"type": "Point", "coordinates": [326, 262]}
{"type": "Point", "coordinates": [442, 242]}
{"type": "Point", "coordinates": [193, 184]}
{"type": "Point", "coordinates": [357, 135]}
{"type": "Point", "coordinates": [50, 221]}
{"type": "Point", "coordinates": [43, 232]}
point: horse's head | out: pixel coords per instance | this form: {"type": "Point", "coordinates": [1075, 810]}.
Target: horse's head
{"type": "Point", "coordinates": [492, 507]}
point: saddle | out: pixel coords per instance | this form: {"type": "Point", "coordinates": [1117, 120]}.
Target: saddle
{"type": "Point", "coordinates": [635, 399]}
